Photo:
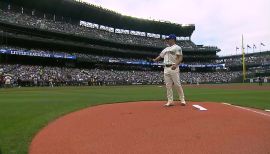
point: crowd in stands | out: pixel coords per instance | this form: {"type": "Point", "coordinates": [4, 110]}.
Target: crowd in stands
{"type": "Point", "coordinates": [65, 27]}
{"type": "Point", "coordinates": [39, 75]}
{"type": "Point", "coordinates": [26, 75]}
{"type": "Point", "coordinates": [210, 77]}
{"type": "Point", "coordinates": [251, 59]}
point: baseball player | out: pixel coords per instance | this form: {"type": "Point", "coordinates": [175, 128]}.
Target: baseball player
{"type": "Point", "coordinates": [172, 56]}
{"type": "Point", "coordinates": [8, 81]}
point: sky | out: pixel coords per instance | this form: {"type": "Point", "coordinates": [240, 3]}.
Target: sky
{"type": "Point", "coordinates": [218, 23]}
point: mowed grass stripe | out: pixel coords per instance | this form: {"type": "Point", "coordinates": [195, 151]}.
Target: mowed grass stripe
{"type": "Point", "coordinates": [24, 111]}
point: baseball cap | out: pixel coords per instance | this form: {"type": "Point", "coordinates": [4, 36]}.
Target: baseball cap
{"type": "Point", "coordinates": [171, 36]}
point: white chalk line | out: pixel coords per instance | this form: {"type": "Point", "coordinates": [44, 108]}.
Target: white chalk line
{"type": "Point", "coordinates": [247, 109]}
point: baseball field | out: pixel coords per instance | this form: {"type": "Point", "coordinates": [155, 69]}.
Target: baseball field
{"type": "Point", "coordinates": [25, 111]}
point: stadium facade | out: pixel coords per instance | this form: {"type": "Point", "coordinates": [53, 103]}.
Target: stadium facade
{"type": "Point", "coordinates": [70, 34]}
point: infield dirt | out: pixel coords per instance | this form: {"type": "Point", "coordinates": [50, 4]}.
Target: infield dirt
{"type": "Point", "coordinates": [148, 127]}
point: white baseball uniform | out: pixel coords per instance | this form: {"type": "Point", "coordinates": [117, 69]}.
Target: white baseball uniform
{"type": "Point", "coordinates": [8, 80]}
{"type": "Point", "coordinates": [171, 77]}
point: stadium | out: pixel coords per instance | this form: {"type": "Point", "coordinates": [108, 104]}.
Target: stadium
{"type": "Point", "coordinates": [54, 61]}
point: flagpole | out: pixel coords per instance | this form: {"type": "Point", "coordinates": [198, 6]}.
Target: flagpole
{"type": "Point", "coordinates": [243, 60]}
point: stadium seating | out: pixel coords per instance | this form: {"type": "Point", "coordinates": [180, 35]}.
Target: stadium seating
{"type": "Point", "coordinates": [28, 75]}
{"type": "Point", "coordinates": [61, 26]}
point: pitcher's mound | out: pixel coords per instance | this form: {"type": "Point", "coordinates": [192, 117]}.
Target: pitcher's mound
{"type": "Point", "coordinates": [150, 128]}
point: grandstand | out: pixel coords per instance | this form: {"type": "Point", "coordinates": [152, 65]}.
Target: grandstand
{"type": "Point", "coordinates": [257, 65]}
{"type": "Point", "coordinates": [43, 41]}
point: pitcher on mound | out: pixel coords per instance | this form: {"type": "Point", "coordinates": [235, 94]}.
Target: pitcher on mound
{"type": "Point", "coordinates": [172, 56]}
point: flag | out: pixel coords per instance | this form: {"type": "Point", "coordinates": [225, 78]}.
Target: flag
{"type": "Point", "coordinates": [262, 44]}
{"type": "Point", "coordinates": [236, 48]}
{"type": "Point", "coordinates": [248, 46]}
{"type": "Point", "coordinates": [254, 46]}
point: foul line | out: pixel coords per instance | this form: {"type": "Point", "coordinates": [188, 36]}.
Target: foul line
{"type": "Point", "coordinates": [247, 109]}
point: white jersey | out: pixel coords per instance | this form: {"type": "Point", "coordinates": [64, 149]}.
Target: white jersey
{"type": "Point", "coordinates": [172, 76]}
{"type": "Point", "coordinates": [7, 80]}
{"type": "Point", "coordinates": [169, 54]}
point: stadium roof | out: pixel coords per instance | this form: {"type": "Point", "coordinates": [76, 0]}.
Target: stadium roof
{"type": "Point", "coordinates": [91, 13]}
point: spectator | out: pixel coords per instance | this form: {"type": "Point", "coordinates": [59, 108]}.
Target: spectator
{"type": "Point", "coordinates": [65, 27]}
{"type": "Point", "coordinates": [26, 75]}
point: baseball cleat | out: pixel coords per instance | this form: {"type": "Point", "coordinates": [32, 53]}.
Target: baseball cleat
{"type": "Point", "coordinates": [183, 103]}
{"type": "Point", "coordinates": [168, 104]}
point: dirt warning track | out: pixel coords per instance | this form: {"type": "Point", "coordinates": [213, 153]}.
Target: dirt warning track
{"type": "Point", "coordinates": [150, 128]}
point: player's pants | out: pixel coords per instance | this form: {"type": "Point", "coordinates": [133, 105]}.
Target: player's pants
{"type": "Point", "coordinates": [172, 78]}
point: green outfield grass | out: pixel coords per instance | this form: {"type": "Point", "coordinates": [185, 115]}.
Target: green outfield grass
{"type": "Point", "coordinates": [24, 111]}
